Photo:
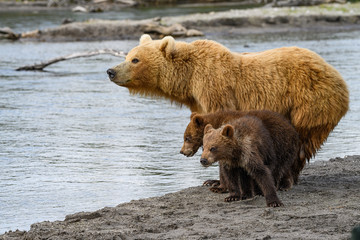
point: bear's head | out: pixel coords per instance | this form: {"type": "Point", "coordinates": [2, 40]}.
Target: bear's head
{"type": "Point", "coordinates": [193, 135]}
{"type": "Point", "coordinates": [147, 64]}
{"type": "Point", "coordinates": [218, 144]}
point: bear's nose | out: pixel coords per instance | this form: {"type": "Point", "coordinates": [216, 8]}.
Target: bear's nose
{"type": "Point", "coordinates": [111, 73]}
{"type": "Point", "coordinates": [204, 161]}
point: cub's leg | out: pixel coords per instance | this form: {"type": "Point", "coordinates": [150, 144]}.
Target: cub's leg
{"type": "Point", "coordinates": [262, 176]}
{"type": "Point", "coordinates": [286, 182]}
{"type": "Point", "coordinates": [246, 185]}
{"type": "Point", "coordinates": [219, 186]}
{"type": "Point", "coordinates": [232, 178]}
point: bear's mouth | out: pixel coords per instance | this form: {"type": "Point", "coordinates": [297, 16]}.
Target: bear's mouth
{"type": "Point", "coordinates": [187, 153]}
{"type": "Point", "coordinates": [121, 83]}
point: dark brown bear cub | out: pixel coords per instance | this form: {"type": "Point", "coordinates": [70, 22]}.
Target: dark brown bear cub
{"type": "Point", "coordinates": [284, 136]}
{"type": "Point", "coordinates": [245, 145]}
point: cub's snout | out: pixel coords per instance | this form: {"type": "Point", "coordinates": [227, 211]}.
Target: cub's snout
{"type": "Point", "coordinates": [204, 162]}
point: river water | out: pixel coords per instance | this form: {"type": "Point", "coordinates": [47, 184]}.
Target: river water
{"type": "Point", "coordinates": [73, 141]}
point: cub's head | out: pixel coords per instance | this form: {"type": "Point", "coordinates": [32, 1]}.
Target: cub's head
{"type": "Point", "coordinates": [193, 136]}
{"type": "Point", "coordinates": [218, 144]}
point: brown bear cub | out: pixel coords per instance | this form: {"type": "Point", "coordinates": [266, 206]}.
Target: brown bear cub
{"type": "Point", "coordinates": [246, 145]}
{"type": "Point", "coordinates": [284, 137]}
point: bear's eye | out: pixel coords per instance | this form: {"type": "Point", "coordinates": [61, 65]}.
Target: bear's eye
{"type": "Point", "coordinates": [212, 149]}
{"type": "Point", "coordinates": [187, 139]}
{"type": "Point", "coordinates": [135, 60]}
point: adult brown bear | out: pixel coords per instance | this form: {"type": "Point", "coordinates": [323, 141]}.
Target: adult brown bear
{"type": "Point", "coordinates": [206, 77]}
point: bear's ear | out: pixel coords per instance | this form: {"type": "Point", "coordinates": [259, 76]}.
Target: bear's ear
{"type": "Point", "coordinates": [167, 47]}
{"type": "Point", "coordinates": [228, 131]}
{"type": "Point", "coordinates": [192, 115]}
{"type": "Point", "coordinates": [145, 38]}
{"type": "Point", "coordinates": [208, 128]}
{"type": "Point", "coordinates": [198, 120]}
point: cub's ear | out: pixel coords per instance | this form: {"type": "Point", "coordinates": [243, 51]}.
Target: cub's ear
{"type": "Point", "coordinates": [208, 128]}
{"type": "Point", "coordinates": [167, 47]}
{"type": "Point", "coordinates": [198, 120]}
{"type": "Point", "coordinates": [228, 131]}
{"type": "Point", "coordinates": [145, 38]}
{"type": "Point", "coordinates": [192, 115]}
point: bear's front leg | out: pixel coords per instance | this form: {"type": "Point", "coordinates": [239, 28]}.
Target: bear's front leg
{"type": "Point", "coordinates": [232, 178]}
{"type": "Point", "coordinates": [218, 186]}
{"type": "Point", "coordinates": [246, 185]}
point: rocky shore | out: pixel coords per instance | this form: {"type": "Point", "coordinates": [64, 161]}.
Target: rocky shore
{"type": "Point", "coordinates": [330, 17]}
{"type": "Point", "coordinates": [324, 205]}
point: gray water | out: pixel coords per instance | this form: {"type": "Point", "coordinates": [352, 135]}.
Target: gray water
{"type": "Point", "coordinates": [70, 140]}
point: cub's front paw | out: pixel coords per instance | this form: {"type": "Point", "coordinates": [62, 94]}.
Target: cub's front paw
{"type": "Point", "coordinates": [232, 198]}
{"type": "Point", "coordinates": [218, 190]}
{"type": "Point", "coordinates": [277, 203]}
{"type": "Point", "coordinates": [211, 183]}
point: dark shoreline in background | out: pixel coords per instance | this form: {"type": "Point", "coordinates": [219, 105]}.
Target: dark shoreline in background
{"type": "Point", "coordinates": [328, 18]}
{"type": "Point", "coordinates": [117, 5]}
{"type": "Point", "coordinates": [324, 205]}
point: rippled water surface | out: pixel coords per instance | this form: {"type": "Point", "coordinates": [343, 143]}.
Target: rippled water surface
{"type": "Point", "coordinates": [73, 141]}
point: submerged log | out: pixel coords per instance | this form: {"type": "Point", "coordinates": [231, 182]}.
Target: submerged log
{"type": "Point", "coordinates": [41, 66]}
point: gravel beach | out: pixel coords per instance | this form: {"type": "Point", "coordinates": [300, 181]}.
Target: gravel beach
{"type": "Point", "coordinates": [324, 205]}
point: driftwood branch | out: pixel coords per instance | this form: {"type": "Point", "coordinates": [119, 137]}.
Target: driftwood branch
{"type": "Point", "coordinates": [41, 66]}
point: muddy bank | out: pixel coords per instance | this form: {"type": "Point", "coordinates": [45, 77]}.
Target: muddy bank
{"type": "Point", "coordinates": [324, 17]}
{"type": "Point", "coordinates": [325, 205]}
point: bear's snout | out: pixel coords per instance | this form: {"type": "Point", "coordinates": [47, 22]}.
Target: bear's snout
{"type": "Point", "coordinates": [187, 152]}
{"type": "Point", "coordinates": [111, 73]}
{"type": "Point", "coordinates": [204, 162]}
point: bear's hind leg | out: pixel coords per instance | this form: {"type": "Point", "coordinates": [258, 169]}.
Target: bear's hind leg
{"type": "Point", "coordinates": [262, 175]}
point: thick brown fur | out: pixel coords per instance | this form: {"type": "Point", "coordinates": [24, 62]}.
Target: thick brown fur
{"type": "Point", "coordinates": [246, 145]}
{"type": "Point", "coordinates": [284, 137]}
{"type": "Point", "coordinates": [207, 77]}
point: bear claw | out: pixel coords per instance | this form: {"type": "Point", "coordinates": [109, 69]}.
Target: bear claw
{"type": "Point", "coordinates": [212, 183]}
{"type": "Point", "coordinates": [218, 189]}
{"type": "Point", "coordinates": [275, 204]}
{"type": "Point", "coordinates": [232, 198]}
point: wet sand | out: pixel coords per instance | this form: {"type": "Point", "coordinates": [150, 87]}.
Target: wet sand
{"type": "Point", "coordinates": [324, 205]}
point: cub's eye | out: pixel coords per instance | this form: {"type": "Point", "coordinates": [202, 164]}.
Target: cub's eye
{"type": "Point", "coordinates": [187, 139]}
{"type": "Point", "coordinates": [135, 60]}
{"type": "Point", "coordinates": [212, 149]}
